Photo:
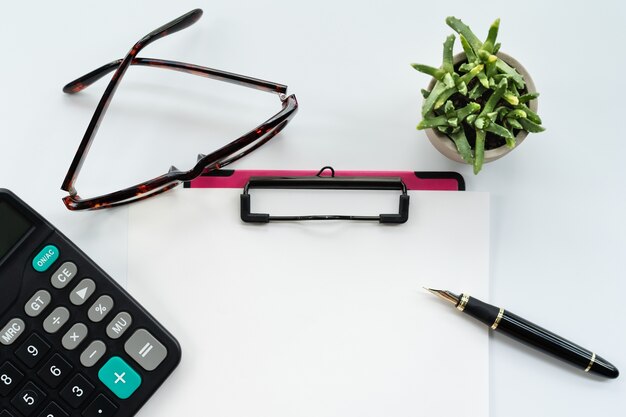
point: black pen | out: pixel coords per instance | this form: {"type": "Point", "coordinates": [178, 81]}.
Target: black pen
{"type": "Point", "coordinates": [529, 333]}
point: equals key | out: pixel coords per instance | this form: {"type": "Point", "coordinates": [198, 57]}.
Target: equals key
{"type": "Point", "coordinates": [145, 349]}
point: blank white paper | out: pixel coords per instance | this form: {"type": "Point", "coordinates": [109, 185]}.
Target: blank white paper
{"type": "Point", "coordinates": [314, 319]}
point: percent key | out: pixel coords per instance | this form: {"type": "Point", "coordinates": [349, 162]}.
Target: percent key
{"type": "Point", "coordinates": [100, 309]}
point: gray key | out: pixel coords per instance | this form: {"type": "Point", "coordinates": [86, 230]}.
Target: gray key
{"type": "Point", "coordinates": [82, 292]}
{"type": "Point", "coordinates": [119, 325]}
{"type": "Point", "coordinates": [74, 336]}
{"type": "Point", "coordinates": [145, 349]}
{"type": "Point", "coordinates": [100, 309]}
{"type": "Point", "coordinates": [12, 331]}
{"type": "Point", "coordinates": [63, 275]}
{"type": "Point", "coordinates": [93, 353]}
{"type": "Point", "coordinates": [56, 320]}
{"type": "Point", "coordinates": [37, 303]}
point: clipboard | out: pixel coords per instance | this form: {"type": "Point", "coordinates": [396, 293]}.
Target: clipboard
{"type": "Point", "coordinates": [329, 179]}
{"type": "Point", "coordinates": [313, 319]}
{"type": "Point", "coordinates": [414, 180]}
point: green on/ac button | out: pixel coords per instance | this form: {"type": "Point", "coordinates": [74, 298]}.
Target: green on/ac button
{"type": "Point", "coordinates": [44, 259]}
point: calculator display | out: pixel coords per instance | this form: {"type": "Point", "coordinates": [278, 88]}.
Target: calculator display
{"type": "Point", "coordinates": [13, 226]}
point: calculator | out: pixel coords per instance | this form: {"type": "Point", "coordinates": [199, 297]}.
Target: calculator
{"type": "Point", "coordinates": [72, 341]}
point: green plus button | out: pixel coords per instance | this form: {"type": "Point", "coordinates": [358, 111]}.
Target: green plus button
{"type": "Point", "coordinates": [119, 377]}
{"type": "Point", "coordinates": [44, 259]}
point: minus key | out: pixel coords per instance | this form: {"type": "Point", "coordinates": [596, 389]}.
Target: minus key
{"type": "Point", "coordinates": [94, 352]}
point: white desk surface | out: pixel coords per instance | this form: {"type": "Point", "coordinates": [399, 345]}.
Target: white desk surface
{"type": "Point", "coordinates": [558, 235]}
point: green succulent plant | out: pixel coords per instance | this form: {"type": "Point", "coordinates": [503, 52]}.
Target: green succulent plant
{"type": "Point", "coordinates": [483, 95]}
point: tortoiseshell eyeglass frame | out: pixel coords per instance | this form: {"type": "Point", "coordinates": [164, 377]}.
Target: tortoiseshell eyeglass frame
{"type": "Point", "coordinates": [215, 160]}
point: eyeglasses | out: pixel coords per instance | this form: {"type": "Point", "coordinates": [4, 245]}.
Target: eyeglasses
{"type": "Point", "coordinates": [220, 158]}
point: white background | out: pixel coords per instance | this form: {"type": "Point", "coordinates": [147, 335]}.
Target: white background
{"type": "Point", "coordinates": [557, 202]}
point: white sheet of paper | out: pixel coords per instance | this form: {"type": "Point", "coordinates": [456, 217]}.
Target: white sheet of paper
{"type": "Point", "coordinates": [319, 319]}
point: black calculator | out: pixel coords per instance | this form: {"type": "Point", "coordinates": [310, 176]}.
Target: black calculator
{"type": "Point", "coordinates": [72, 341]}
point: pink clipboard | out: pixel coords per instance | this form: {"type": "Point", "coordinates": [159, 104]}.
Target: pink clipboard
{"type": "Point", "coordinates": [414, 180]}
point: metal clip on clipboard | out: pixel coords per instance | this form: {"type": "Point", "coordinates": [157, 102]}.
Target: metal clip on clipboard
{"type": "Point", "coordinates": [319, 182]}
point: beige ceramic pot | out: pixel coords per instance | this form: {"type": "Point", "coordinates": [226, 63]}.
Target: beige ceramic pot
{"type": "Point", "coordinates": [446, 146]}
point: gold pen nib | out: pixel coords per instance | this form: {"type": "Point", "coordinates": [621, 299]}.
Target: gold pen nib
{"type": "Point", "coordinates": [445, 295]}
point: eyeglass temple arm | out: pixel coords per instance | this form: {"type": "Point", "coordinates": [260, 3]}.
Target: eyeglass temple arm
{"type": "Point", "coordinates": [174, 26]}
{"type": "Point", "coordinates": [86, 80]}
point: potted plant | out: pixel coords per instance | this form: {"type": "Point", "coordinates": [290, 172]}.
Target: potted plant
{"type": "Point", "coordinates": [481, 103]}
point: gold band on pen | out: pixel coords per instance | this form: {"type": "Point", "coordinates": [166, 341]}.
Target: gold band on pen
{"type": "Point", "coordinates": [464, 299]}
{"type": "Point", "coordinates": [494, 326]}
{"type": "Point", "coordinates": [591, 362]}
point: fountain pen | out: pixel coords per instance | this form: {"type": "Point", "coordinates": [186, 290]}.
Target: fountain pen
{"type": "Point", "coordinates": [530, 334]}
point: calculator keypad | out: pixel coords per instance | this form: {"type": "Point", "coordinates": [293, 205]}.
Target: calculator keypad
{"type": "Point", "coordinates": [12, 331]}
{"type": "Point", "coordinates": [100, 407]}
{"type": "Point", "coordinates": [74, 336]}
{"type": "Point", "coordinates": [58, 371]}
{"type": "Point", "coordinates": [94, 352]}
{"type": "Point", "coordinates": [77, 391]}
{"type": "Point", "coordinates": [56, 320]}
{"type": "Point", "coordinates": [64, 275]}
{"type": "Point", "coordinates": [53, 410]}
{"type": "Point", "coordinates": [119, 377]}
{"type": "Point", "coordinates": [32, 351]}
{"type": "Point", "coordinates": [55, 371]}
{"type": "Point", "coordinates": [45, 258]}
{"type": "Point", "coordinates": [10, 378]}
{"type": "Point", "coordinates": [28, 399]}
{"type": "Point", "coordinates": [100, 309]}
{"type": "Point", "coordinates": [82, 292]}
{"type": "Point", "coordinates": [38, 303]}
{"type": "Point", "coordinates": [145, 349]}
{"type": "Point", "coordinates": [119, 325]}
